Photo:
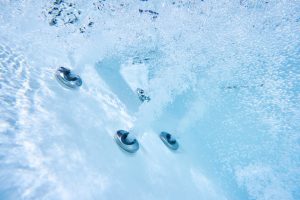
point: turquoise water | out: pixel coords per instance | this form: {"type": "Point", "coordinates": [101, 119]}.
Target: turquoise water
{"type": "Point", "coordinates": [223, 77]}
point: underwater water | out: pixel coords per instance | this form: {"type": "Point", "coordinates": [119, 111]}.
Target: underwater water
{"type": "Point", "coordinates": [223, 77]}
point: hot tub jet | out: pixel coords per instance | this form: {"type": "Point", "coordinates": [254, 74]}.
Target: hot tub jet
{"type": "Point", "coordinates": [126, 141]}
{"type": "Point", "coordinates": [169, 140]}
{"type": "Point", "coordinates": [67, 79]}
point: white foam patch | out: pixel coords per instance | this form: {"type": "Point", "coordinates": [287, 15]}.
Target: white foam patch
{"type": "Point", "coordinates": [262, 182]}
{"type": "Point", "coordinates": [4, 126]}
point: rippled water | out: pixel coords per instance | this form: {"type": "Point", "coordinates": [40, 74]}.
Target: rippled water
{"type": "Point", "coordinates": [223, 77]}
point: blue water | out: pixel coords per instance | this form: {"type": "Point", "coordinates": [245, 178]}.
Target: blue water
{"type": "Point", "coordinates": [223, 77]}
